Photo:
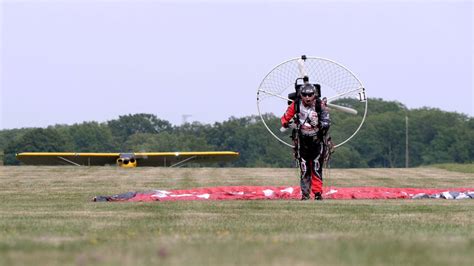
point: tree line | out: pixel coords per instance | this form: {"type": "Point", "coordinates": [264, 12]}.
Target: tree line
{"type": "Point", "coordinates": [435, 136]}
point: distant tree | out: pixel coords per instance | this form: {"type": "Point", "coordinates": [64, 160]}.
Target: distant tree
{"type": "Point", "coordinates": [433, 131]}
{"type": "Point", "coordinates": [128, 125]}
{"type": "Point", "coordinates": [435, 136]}
{"type": "Point", "coordinates": [347, 157]}
{"type": "Point", "coordinates": [390, 135]}
{"type": "Point", "coordinates": [11, 135]}
{"type": "Point", "coordinates": [194, 128]}
{"type": "Point", "coordinates": [249, 137]}
{"type": "Point", "coordinates": [91, 137]}
{"type": "Point", "coordinates": [451, 145]}
{"type": "Point", "coordinates": [166, 142]}
{"type": "Point", "coordinates": [36, 140]}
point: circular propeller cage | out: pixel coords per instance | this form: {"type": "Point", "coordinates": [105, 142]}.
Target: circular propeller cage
{"type": "Point", "coordinates": [344, 91]}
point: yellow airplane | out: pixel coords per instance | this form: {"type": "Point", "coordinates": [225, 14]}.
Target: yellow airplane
{"type": "Point", "coordinates": [126, 160]}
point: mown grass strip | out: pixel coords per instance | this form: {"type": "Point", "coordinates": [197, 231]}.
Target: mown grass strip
{"type": "Point", "coordinates": [48, 218]}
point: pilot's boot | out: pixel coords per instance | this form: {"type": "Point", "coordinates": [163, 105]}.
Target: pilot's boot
{"type": "Point", "coordinates": [305, 197]}
{"type": "Point", "coordinates": [318, 196]}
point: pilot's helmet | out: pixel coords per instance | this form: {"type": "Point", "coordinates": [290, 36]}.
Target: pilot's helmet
{"type": "Point", "coordinates": [308, 89]}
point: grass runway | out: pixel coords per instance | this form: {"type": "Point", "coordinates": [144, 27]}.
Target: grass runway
{"type": "Point", "coordinates": [47, 218]}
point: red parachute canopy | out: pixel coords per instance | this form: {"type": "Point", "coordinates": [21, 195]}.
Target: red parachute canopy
{"type": "Point", "coordinates": [288, 193]}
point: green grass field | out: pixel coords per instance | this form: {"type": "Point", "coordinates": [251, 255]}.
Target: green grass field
{"type": "Point", "coordinates": [47, 218]}
{"type": "Point", "coordinates": [463, 168]}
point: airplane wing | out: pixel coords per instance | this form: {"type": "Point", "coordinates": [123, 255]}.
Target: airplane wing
{"type": "Point", "coordinates": [167, 159]}
{"type": "Point", "coordinates": [68, 158]}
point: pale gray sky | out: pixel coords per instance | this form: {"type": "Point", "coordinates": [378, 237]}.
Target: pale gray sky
{"type": "Point", "coordinates": [65, 62]}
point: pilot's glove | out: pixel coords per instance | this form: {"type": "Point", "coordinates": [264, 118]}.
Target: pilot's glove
{"type": "Point", "coordinates": [290, 124]}
{"type": "Point", "coordinates": [325, 124]}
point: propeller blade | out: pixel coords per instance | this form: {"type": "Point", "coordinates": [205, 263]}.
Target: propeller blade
{"type": "Point", "coordinates": [342, 108]}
